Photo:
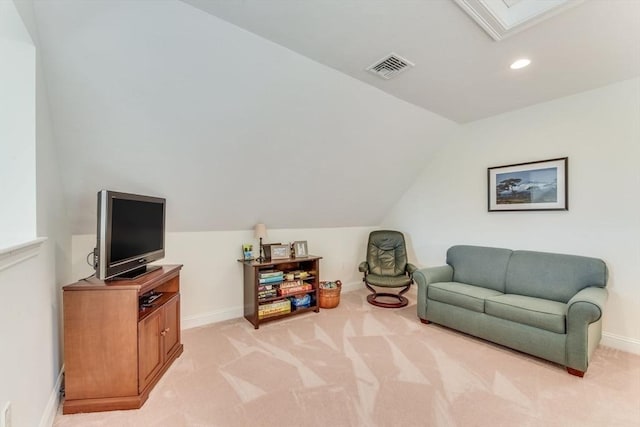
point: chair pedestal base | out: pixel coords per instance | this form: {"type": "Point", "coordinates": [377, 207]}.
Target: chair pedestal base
{"type": "Point", "coordinates": [402, 301]}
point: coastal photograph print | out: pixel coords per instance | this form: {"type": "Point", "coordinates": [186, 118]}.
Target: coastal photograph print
{"type": "Point", "coordinates": [532, 186]}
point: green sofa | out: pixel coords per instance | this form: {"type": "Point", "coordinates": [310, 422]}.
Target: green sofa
{"type": "Point", "coordinates": [548, 305]}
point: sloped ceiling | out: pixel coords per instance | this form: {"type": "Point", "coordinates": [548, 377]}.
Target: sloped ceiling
{"type": "Point", "coordinates": [460, 72]}
{"type": "Point", "coordinates": [161, 98]}
{"type": "Point", "coordinates": [245, 111]}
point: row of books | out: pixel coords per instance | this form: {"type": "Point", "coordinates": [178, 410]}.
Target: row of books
{"type": "Point", "coordinates": [275, 276]}
{"type": "Point", "coordinates": [299, 286]}
{"type": "Point", "coordinates": [271, 276]}
{"type": "Point", "coordinates": [274, 308]}
{"type": "Point", "coordinates": [267, 293]}
{"type": "Point", "coordinates": [287, 287]}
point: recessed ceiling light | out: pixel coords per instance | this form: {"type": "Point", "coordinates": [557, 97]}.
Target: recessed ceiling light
{"type": "Point", "coordinates": [520, 63]}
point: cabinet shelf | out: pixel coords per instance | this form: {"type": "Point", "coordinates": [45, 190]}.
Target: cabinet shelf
{"type": "Point", "coordinates": [144, 312]}
{"type": "Point", "coordinates": [252, 270]}
{"type": "Point", "coordinates": [292, 294]}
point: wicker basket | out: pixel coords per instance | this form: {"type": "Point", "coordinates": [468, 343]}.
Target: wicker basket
{"type": "Point", "coordinates": [330, 297]}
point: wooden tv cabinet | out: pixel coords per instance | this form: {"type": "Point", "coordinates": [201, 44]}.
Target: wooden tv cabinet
{"type": "Point", "coordinates": [115, 351]}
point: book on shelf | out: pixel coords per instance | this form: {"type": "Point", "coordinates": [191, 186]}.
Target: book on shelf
{"type": "Point", "coordinates": [263, 314]}
{"type": "Point", "coordinates": [290, 284]}
{"type": "Point", "coordinates": [295, 289]}
{"type": "Point", "coordinates": [301, 274]}
{"type": "Point", "coordinates": [274, 308]}
{"type": "Point", "coordinates": [267, 294]}
{"type": "Point", "coordinates": [270, 273]}
{"type": "Point", "coordinates": [275, 304]}
{"type": "Point", "coordinates": [274, 279]}
{"type": "Point", "coordinates": [265, 287]}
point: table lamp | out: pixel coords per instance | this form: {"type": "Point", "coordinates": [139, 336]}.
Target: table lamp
{"type": "Point", "coordinates": [260, 232]}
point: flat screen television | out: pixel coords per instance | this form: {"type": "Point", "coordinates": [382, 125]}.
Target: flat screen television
{"type": "Point", "coordinates": [130, 234]}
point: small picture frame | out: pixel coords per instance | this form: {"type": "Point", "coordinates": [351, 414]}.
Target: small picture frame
{"type": "Point", "coordinates": [280, 252]}
{"type": "Point", "coordinates": [266, 248]}
{"type": "Point", "coordinates": [300, 249]}
{"type": "Point", "coordinates": [247, 251]}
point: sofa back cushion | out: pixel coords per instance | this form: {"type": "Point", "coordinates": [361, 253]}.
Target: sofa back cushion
{"type": "Point", "coordinates": [557, 277]}
{"type": "Point", "coordinates": [480, 266]}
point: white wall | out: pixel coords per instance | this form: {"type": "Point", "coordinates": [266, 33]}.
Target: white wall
{"type": "Point", "coordinates": [161, 98]}
{"type": "Point", "coordinates": [17, 131]}
{"type": "Point", "coordinates": [30, 306]}
{"type": "Point", "coordinates": [599, 131]}
{"type": "Point", "coordinates": [211, 279]}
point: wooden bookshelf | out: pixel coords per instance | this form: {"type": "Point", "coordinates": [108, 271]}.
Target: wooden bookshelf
{"type": "Point", "coordinates": [252, 270]}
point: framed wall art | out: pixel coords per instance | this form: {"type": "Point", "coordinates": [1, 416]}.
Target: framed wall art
{"type": "Point", "coordinates": [533, 186]}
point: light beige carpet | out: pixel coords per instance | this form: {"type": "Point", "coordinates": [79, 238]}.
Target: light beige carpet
{"type": "Point", "coordinates": [359, 365]}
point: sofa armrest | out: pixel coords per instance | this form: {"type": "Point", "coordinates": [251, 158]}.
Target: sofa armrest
{"type": "Point", "coordinates": [595, 296]}
{"type": "Point", "coordinates": [363, 267]}
{"type": "Point", "coordinates": [442, 273]}
{"type": "Point", "coordinates": [423, 278]}
{"type": "Point", "coordinates": [584, 309]}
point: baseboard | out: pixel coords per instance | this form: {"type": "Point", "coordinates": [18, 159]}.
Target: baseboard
{"type": "Point", "coordinates": [237, 312]}
{"type": "Point", "coordinates": [50, 411]}
{"type": "Point", "coordinates": [353, 286]}
{"type": "Point", "coordinates": [618, 342]}
{"type": "Point", "coordinates": [212, 317]}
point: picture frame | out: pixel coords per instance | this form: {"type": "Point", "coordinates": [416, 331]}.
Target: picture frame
{"type": "Point", "coordinates": [280, 252]}
{"type": "Point", "coordinates": [533, 186]}
{"type": "Point", "coordinates": [247, 251]}
{"type": "Point", "coordinates": [266, 248]}
{"type": "Point", "coordinates": [300, 249]}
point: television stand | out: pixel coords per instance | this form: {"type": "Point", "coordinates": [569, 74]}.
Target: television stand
{"type": "Point", "coordinates": [116, 348]}
{"type": "Point", "coordinates": [136, 273]}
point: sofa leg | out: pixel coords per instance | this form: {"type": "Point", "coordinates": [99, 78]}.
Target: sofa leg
{"type": "Point", "coordinates": [425, 321]}
{"type": "Point", "coordinates": [575, 372]}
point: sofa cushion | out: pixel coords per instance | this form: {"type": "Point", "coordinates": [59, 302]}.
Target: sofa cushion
{"type": "Point", "coordinates": [536, 312]}
{"type": "Point", "coordinates": [556, 277]}
{"type": "Point", "coordinates": [481, 266]}
{"type": "Point", "coordinates": [461, 295]}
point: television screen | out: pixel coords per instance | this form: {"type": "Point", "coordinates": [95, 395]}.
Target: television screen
{"type": "Point", "coordinates": [136, 228]}
{"type": "Point", "coordinates": [130, 233]}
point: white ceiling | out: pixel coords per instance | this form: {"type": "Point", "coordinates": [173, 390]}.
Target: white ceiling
{"type": "Point", "coordinates": [461, 73]}
{"type": "Point", "coordinates": [246, 111]}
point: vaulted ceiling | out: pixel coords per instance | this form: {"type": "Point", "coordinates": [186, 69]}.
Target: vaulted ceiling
{"type": "Point", "coordinates": [245, 111]}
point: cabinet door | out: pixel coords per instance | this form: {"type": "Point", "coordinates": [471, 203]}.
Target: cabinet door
{"type": "Point", "coordinates": [171, 331]}
{"type": "Point", "coordinates": [150, 356]}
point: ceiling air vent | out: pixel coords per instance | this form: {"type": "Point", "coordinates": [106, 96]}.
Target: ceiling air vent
{"type": "Point", "coordinates": [390, 66]}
